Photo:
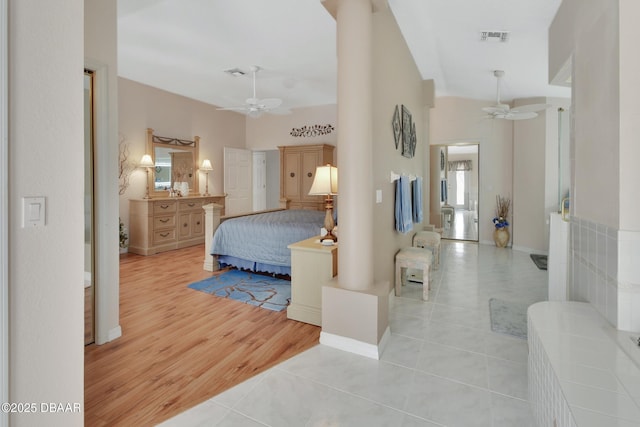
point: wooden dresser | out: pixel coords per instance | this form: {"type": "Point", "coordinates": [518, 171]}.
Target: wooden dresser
{"type": "Point", "coordinates": [162, 224]}
{"type": "Point", "coordinates": [297, 170]}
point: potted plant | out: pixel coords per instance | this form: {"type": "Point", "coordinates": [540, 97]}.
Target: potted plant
{"type": "Point", "coordinates": [124, 238]}
{"type": "Point", "coordinates": [501, 234]}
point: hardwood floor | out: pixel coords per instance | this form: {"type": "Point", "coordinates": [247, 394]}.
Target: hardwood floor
{"type": "Point", "coordinates": [179, 346]}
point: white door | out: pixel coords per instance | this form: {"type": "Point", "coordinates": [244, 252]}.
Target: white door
{"type": "Point", "coordinates": [237, 180]}
{"type": "Point", "coordinates": [259, 181]}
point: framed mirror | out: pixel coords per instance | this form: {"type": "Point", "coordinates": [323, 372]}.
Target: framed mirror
{"type": "Point", "coordinates": [175, 160]}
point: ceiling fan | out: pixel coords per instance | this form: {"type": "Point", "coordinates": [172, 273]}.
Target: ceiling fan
{"type": "Point", "coordinates": [254, 107]}
{"type": "Point", "coordinates": [503, 111]}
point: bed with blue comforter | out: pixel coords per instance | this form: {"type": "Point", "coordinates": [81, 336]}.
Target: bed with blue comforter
{"type": "Point", "coordinates": [259, 242]}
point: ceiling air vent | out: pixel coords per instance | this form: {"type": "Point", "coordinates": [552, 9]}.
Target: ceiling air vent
{"type": "Point", "coordinates": [494, 36]}
{"type": "Point", "coordinates": [235, 72]}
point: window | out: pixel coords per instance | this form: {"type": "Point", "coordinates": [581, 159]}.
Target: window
{"type": "Point", "coordinates": [460, 184]}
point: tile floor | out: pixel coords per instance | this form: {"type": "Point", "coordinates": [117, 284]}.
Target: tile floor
{"type": "Point", "coordinates": [442, 367]}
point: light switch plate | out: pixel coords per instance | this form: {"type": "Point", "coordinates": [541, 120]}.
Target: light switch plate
{"type": "Point", "coordinates": [378, 196]}
{"type": "Point", "coordinates": [33, 211]}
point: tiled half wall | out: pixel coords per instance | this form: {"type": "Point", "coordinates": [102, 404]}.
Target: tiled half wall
{"type": "Point", "coordinates": [605, 271]}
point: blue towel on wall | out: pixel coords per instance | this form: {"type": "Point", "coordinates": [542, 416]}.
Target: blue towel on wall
{"type": "Point", "coordinates": [403, 205]}
{"type": "Point", "coordinates": [417, 200]}
{"type": "Point", "coordinates": [443, 190]}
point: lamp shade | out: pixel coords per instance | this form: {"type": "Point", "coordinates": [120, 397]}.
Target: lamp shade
{"type": "Point", "coordinates": [146, 161]}
{"type": "Point", "coordinates": [206, 165]}
{"type": "Point", "coordinates": [325, 182]}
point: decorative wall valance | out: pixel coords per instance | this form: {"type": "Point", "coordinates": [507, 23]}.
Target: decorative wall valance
{"type": "Point", "coordinates": [460, 165]}
{"type": "Point", "coordinates": [312, 130]}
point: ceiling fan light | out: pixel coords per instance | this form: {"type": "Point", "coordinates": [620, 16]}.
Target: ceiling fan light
{"type": "Point", "coordinates": [254, 106]}
{"type": "Point", "coordinates": [504, 111]}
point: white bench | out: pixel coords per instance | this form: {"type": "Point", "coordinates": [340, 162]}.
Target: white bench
{"type": "Point", "coordinates": [432, 227]}
{"type": "Point", "coordinates": [429, 240]}
{"type": "Point", "coordinates": [448, 215]}
{"type": "Point", "coordinates": [416, 258]}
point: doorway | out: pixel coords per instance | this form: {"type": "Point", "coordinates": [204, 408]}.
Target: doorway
{"type": "Point", "coordinates": [259, 181]}
{"type": "Point", "coordinates": [458, 187]}
{"type": "Point", "coordinates": [238, 182]}
{"type": "Point", "coordinates": [266, 180]}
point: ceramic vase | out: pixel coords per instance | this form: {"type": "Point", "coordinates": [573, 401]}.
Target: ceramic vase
{"type": "Point", "coordinates": [501, 236]}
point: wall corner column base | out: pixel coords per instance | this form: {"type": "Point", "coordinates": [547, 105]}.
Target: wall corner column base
{"type": "Point", "coordinates": [356, 321]}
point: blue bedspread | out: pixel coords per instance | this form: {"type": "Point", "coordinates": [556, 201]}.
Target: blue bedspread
{"type": "Point", "coordinates": [263, 238]}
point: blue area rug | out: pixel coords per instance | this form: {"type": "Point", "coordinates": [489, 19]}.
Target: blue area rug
{"type": "Point", "coordinates": [250, 288]}
{"type": "Point", "coordinates": [508, 317]}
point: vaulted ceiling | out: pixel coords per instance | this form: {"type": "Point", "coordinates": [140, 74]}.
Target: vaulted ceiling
{"type": "Point", "coordinates": [185, 46]}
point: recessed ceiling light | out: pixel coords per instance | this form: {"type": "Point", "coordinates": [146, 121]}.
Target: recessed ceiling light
{"type": "Point", "coordinates": [494, 36]}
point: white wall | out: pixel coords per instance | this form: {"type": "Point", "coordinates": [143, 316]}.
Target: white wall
{"type": "Point", "coordinates": [528, 226]}
{"type": "Point", "coordinates": [100, 51]}
{"type": "Point", "coordinates": [46, 159]}
{"type": "Point", "coordinates": [535, 174]}
{"type": "Point", "coordinates": [513, 162]}
{"type": "Point", "coordinates": [600, 37]}
{"type": "Point", "coordinates": [270, 131]}
{"type": "Point", "coordinates": [462, 120]}
{"type": "Point", "coordinates": [396, 81]}
{"type": "Point", "coordinates": [596, 196]}
{"type": "Point", "coordinates": [629, 173]}
{"type": "Point", "coordinates": [141, 107]}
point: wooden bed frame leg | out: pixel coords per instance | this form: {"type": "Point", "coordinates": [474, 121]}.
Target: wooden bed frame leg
{"type": "Point", "coordinates": [211, 223]}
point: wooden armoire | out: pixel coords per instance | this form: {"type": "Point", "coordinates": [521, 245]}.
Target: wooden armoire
{"type": "Point", "coordinates": [297, 170]}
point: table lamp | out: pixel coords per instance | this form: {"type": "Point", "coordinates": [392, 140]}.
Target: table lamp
{"type": "Point", "coordinates": [146, 162]}
{"type": "Point", "coordinates": [325, 183]}
{"type": "Point", "coordinates": [206, 167]}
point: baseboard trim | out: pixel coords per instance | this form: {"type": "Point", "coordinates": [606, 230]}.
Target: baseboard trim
{"type": "Point", "coordinates": [371, 351]}
{"type": "Point", "coordinates": [529, 250]}
{"type": "Point", "coordinates": [114, 333]}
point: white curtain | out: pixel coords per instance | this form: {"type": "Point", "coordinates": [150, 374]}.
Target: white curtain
{"type": "Point", "coordinates": [460, 165]}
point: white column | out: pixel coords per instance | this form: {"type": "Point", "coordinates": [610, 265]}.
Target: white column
{"type": "Point", "coordinates": [355, 159]}
{"type": "Point", "coordinates": [354, 308]}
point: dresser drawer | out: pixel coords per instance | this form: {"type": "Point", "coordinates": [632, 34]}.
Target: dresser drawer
{"type": "Point", "coordinates": [164, 221]}
{"type": "Point", "coordinates": [164, 236]}
{"type": "Point", "coordinates": [163, 224]}
{"type": "Point", "coordinates": [187, 205]}
{"type": "Point", "coordinates": [164, 207]}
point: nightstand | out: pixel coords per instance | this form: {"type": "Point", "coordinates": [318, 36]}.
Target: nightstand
{"type": "Point", "coordinates": [312, 266]}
